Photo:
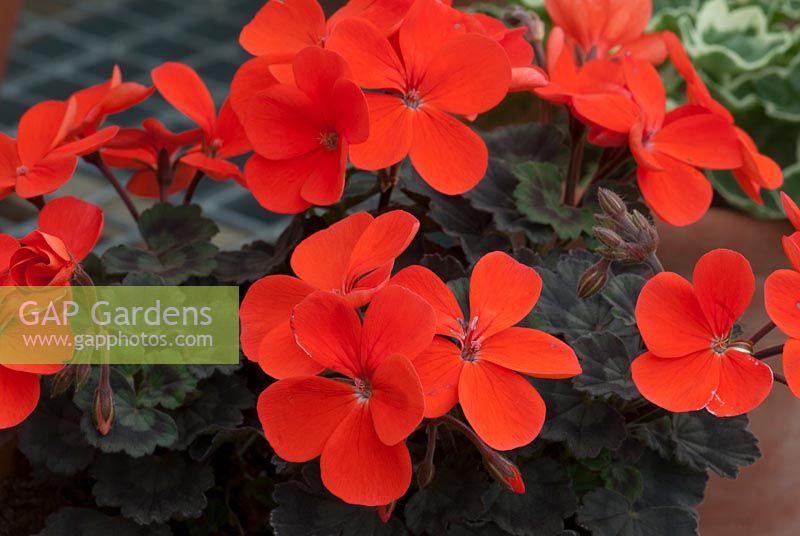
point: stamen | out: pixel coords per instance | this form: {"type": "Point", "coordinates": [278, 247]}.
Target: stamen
{"type": "Point", "coordinates": [22, 170]}
{"type": "Point", "coordinates": [413, 99]}
{"type": "Point", "coordinates": [329, 140]}
{"type": "Point", "coordinates": [363, 389]}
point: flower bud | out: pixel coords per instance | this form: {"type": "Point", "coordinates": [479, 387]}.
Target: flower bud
{"type": "Point", "coordinates": [611, 203]}
{"type": "Point", "coordinates": [82, 374]}
{"type": "Point", "coordinates": [103, 409]}
{"type": "Point", "coordinates": [608, 237]}
{"type": "Point", "coordinates": [62, 381]}
{"type": "Point", "coordinates": [425, 473]}
{"type": "Point", "coordinates": [594, 279]}
{"type": "Point", "coordinates": [503, 471]}
{"type": "Point", "coordinates": [385, 512]}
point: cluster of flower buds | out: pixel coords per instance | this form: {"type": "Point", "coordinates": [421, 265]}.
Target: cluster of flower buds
{"type": "Point", "coordinates": [626, 236]}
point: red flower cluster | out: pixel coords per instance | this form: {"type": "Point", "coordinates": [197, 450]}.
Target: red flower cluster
{"type": "Point", "coordinates": [693, 362]}
{"type": "Point", "coordinates": [420, 62]}
{"type": "Point", "coordinates": [68, 230]}
{"type": "Point", "coordinates": [621, 98]}
{"type": "Point", "coordinates": [395, 371]}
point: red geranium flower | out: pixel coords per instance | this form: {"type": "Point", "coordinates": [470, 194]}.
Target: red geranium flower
{"type": "Point", "coordinates": [356, 425]}
{"type": "Point", "coordinates": [223, 136]}
{"type": "Point", "coordinates": [94, 104]}
{"type": "Point", "coordinates": [68, 230]}
{"type": "Point", "coordinates": [19, 391]}
{"type": "Point", "coordinates": [782, 301]}
{"type": "Point", "coordinates": [668, 147]}
{"type": "Point", "coordinates": [302, 134]}
{"type": "Point", "coordinates": [757, 170]}
{"type": "Point", "coordinates": [139, 149]}
{"type": "Point", "coordinates": [692, 362]}
{"type": "Point", "coordinates": [478, 355]}
{"type": "Point", "coordinates": [39, 161]}
{"type": "Point", "coordinates": [436, 70]}
{"type": "Point", "coordinates": [352, 258]}
{"type": "Point", "coordinates": [791, 244]}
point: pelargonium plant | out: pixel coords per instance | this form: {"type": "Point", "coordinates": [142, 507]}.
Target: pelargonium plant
{"type": "Point", "coordinates": [461, 330]}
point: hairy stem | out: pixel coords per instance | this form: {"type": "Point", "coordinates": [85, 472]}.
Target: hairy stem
{"type": "Point", "coordinates": [654, 263]}
{"type": "Point", "coordinates": [96, 160]}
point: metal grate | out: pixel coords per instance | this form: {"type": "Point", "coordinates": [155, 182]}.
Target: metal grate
{"type": "Point", "coordinates": [64, 45]}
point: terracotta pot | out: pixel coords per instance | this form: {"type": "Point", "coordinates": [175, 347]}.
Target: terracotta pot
{"type": "Point", "coordinates": [762, 500]}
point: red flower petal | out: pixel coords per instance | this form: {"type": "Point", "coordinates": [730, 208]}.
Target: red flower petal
{"type": "Point", "coordinates": [77, 223]}
{"type": "Point", "coordinates": [782, 301]}
{"type": "Point", "coordinates": [382, 241]}
{"type": "Point", "coordinates": [350, 112]}
{"type": "Point", "coordinates": [702, 140]}
{"type": "Point", "coordinates": [281, 29]}
{"type": "Point", "coordinates": [449, 155]}
{"type": "Point", "coordinates": [359, 468]}
{"type": "Point", "coordinates": [250, 79]}
{"type": "Point", "coordinates": [428, 285]}
{"type": "Point", "coordinates": [323, 259]}
{"type": "Point", "coordinates": [281, 123]}
{"type": "Point", "coordinates": [373, 61]}
{"type": "Point", "coordinates": [500, 405]}
{"type": "Point", "coordinates": [19, 394]}
{"type": "Point", "coordinates": [8, 246]}
{"type": "Point", "coordinates": [530, 352]}
{"type": "Point", "coordinates": [299, 415]}
{"type": "Point", "coordinates": [386, 15]}
{"type": "Point", "coordinates": [216, 168]}
{"type": "Point", "coordinates": [648, 90]}
{"type": "Point", "coordinates": [389, 119]}
{"type": "Point", "coordinates": [791, 210]}
{"type": "Point", "coordinates": [609, 110]}
{"type": "Point", "coordinates": [280, 357]}
{"type": "Point", "coordinates": [41, 128]}
{"type": "Point", "coordinates": [423, 34]}
{"type": "Point", "coordinates": [268, 304]}
{"type": "Point", "coordinates": [679, 194]}
{"type": "Point", "coordinates": [439, 368]}
{"type": "Point", "coordinates": [324, 183]}
{"type": "Point", "coordinates": [181, 86]}
{"type": "Point", "coordinates": [89, 144]}
{"type": "Point", "coordinates": [469, 74]}
{"type": "Point", "coordinates": [276, 184]}
{"type": "Point", "coordinates": [744, 383]}
{"type": "Point", "coordinates": [397, 403]}
{"type": "Point", "coordinates": [678, 383]}
{"type": "Point", "coordinates": [230, 132]}
{"type": "Point", "coordinates": [329, 331]}
{"type": "Point", "coordinates": [46, 176]}
{"type": "Point", "coordinates": [724, 285]}
{"type": "Point", "coordinates": [396, 322]}
{"type": "Point", "coordinates": [791, 247]}
{"type": "Point", "coordinates": [791, 365]}
{"type": "Point", "coordinates": [670, 318]}
{"type": "Point", "coordinates": [502, 292]}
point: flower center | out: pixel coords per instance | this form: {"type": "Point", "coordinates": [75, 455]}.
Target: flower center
{"type": "Point", "coordinates": [329, 140]}
{"type": "Point", "coordinates": [216, 144]}
{"type": "Point", "coordinates": [470, 345]}
{"type": "Point", "coordinates": [363, 389]}
{"type": "Point", "coordinates": [22, 170]}
{"type": "Point", "coordinates": [721, 345]}
{"type": "Point", "coordinates": [412, 99]}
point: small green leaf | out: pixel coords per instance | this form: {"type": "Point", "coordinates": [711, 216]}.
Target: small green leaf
{"type": "Point", "coordinates": [624, 478]}
{"type": "Point", "coordinates": [538, 197]}
{"type": "Point", "coordinates": [720, 444]}
{"type": "Point", "coordinates": [669, 483]}
{"type": "Point", "coordinates": [587, 425]}
{"type": "Point", "coordinates": [178, 243]}
{"type": "Point", "coordinates": [153, 489]}
{"type": "Point", "coordinates": [165, 385]}
{"type": "Point", "coordinates": [541, 510]}
{"type": "Point", "coordinates": [606, 366]}
{"type": "Point", "coordinates": [306, 508]}
{"type": "Point", "coordinates": [85, 522]}
{"type": "Point", "coordinates": [609, 513]}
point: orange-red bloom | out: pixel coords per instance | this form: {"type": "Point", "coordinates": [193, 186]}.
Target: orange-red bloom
{"type": "Point", "coordinates": [41, 160]}
{"type": "Point", "coordinates": [782, 301]}
{"type": "Point", "coordinates": [757, 170]}
{"type": "Point", "coordinates": [791, 244]}
{"type": "Point", "coordinates": [692, 362]}
{"type": "Point", "coordinates": [19, 391]}
{"type": "Point", "coordinates": [353, 258]}
{"type": "Point", "coordinates": [668, 147]}
{"type": "Point", "coordinates": [357, 425]}
{"type": "Point", "coordinates": [139, 149]}
{"type": "Point", "coordinates": [479, 356]}
{"type": "Point", "coordinates": [68, 230]}
{"type": "Point", "coordinates": [436, 69]}
{"type": "Point", "coordinates": [223, 135]}
{"type": "Point", "coordinates": [302, 134]}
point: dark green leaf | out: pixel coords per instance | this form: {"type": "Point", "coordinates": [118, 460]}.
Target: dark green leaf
{"type": "Point", "coordinates": [720, 444]}
{"type": "Point", "coordinates": [528, 142]}
{"type": "Point", "coordinates": [165, 386]}
{"type": "Point", "coordinates": [446, 267]}
{"type": "Point", "coordinates": [153, 489]}
{"type": "Point", "coordinates": [541, 510]}
{"type": "Point", "coordinates": [608, 513]}
{"type": "Point", "coordinates": [538, 197]}
{"type": "Point", "coordinates": [473, 229]}
{"type": "Point", "coordinates": [52, 437]}
{"type": "Point", "coordinates": [669, 483]}
{"type": "Point", "coordinates": [217, 402]}
{"type": "Point", "coordinates": [476, 529]}
{"type": "Point", "coordinates": [142, 279]}
{"type": "Point", "coordinates": [85, 522]}
{"type": "Point", "coordinates": [625, 479]}
{"type": "Point", "coordinates": [587, 425]}
{"type": "Point", "coordinates": [657, 435]}
{"type": "Point", "coordinates": [307, 509]}
{"type": "Point", "coordinates": [178, 243]}
{"type": "Point", "coordinates": [606, 366]}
